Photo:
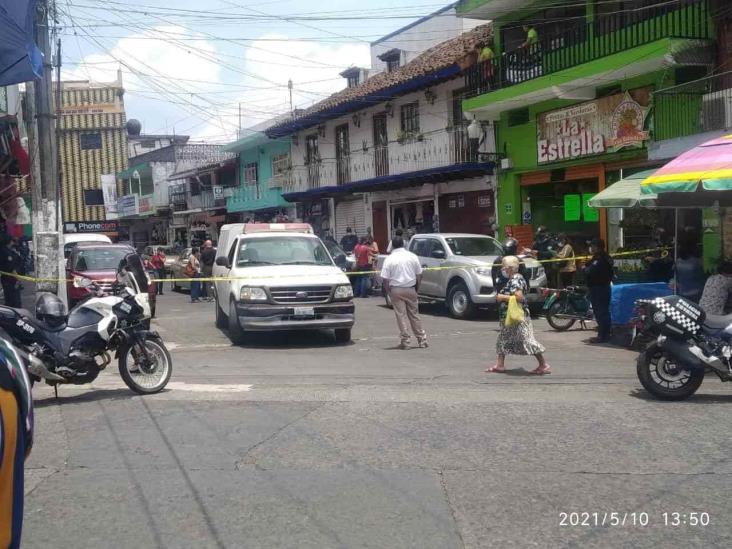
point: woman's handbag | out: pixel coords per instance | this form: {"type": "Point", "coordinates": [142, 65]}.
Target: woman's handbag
{"type": "Point", "coordinates": [515, 313]}
{"type": "Point", "coordinates": [189, 271]}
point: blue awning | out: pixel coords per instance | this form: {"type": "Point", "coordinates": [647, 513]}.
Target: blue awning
{"type": "Point", "coordinates": [20, 59]}
{"type": "Point", "coordinates": [388, 182]}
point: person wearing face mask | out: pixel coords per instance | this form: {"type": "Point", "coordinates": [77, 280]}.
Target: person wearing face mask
{"type": "Point", "coordinates": [510, 248]}
{"type": "Point", "coordinates": [599, 275]}
{"type": "Point", "coordinates": [568, 267]}
{"type": "Point", "coordinates": [517, 339]}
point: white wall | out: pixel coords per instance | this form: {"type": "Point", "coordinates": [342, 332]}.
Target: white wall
{"type": "Point", "coordinates": [134, 147]}
{"type": "Point", "coordinates": [432, 117]}
{"type": "Point", "coordinates": [422, 36]}
{"type": "Point", "coordinates": [160, 173]}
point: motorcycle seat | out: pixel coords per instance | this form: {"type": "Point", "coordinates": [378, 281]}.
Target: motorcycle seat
{"type": "Point", "coordinates": [717, 322]}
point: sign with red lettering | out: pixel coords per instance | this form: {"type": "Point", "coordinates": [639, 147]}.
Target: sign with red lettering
{"type": "Point", "coordinates": [605, 125]}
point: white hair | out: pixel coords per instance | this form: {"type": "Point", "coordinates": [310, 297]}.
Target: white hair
{"type": "Point", "coordinates": [511, 262]}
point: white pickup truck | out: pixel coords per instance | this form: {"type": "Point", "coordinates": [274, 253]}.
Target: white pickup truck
{"type": "Point", "coordinates": [463, 278]}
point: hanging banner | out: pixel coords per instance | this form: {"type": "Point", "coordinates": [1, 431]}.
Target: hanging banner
{"type": "Point", "coordinates": [602, 126]}
{"type": "Point", "coordinates": [109, 191]}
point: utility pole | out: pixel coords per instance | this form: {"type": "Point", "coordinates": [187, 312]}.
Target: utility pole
{"type": "Point", "coordinates": [289, 87]}
{"type": "Point", "coordinates": [42, 135]}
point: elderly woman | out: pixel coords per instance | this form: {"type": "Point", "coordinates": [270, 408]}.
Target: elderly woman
{"type": "Point", "coordinates": [519, 338]}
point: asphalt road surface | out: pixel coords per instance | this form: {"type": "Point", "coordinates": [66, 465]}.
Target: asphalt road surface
{"type": "Point", "coordinates": [294, 441]}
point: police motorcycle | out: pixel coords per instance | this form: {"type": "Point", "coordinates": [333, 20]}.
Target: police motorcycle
{"type": "Point", "coordinates": [74, 347]}
{"type": "Point", "coordinates": [686, 343]}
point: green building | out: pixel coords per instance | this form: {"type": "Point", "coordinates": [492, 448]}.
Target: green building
{"type": "Point", "coordinates": [570, 94]}
{"type": "Point", "coordinates": [264, 174]}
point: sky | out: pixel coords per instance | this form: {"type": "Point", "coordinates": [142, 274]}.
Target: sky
{"type": "Point", "coordinates": [189, 67]}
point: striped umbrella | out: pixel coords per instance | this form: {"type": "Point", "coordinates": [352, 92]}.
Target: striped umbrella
{"type": "Point", "coordinates": [709, 164]}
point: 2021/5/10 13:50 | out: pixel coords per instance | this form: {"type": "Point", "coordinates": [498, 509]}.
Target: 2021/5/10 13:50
{"type": "Point", "coordinates": [615, 518]}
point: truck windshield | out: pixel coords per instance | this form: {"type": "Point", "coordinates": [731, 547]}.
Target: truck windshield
{"type": "Point", "coordinates": [279, 250]}
{"type": "Point", "coordinates": [474, 246]}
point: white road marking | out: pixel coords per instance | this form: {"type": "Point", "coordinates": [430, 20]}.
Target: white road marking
{"type": "Point", "coordinates": [209, 388]}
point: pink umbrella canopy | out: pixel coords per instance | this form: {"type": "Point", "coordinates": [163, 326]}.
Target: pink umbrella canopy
{"type": "Point", "coordinates": [709, 164]}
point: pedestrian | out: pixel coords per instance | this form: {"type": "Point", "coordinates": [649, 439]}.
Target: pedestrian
{"type": "Point", "coordinates": [717, 290]}
{"type": "Point", "coordinates": [193, 271]}
{"type": "Point", "coordinates": [567, 267]}
{"type": "Point", "coordinates": [399, 233]}
{"type": "Point", "coordinates": [599, 276]}
{"type": "Point", "coordinates": [532, 37]}
{"type": "Point", "coordinates": [510, 248]}
{"type": "Point", "coordinates": [349, 240]}
{"type": "Point", "coordinates": [10, 266]}
{"type": "Point", "coordinates": [689, 273]}
{"type": "Point", "coordinates": [158, 264]}
{"type": "Point", "coordinates": [401, 276]}
{"type": "Point", "coordinates": [373, 254]}
{"type": "Point", "coordinates": [16, 441]}
{"type": "Point", "coordinates": [362, 251]}
{"type": "Point", "coordinates": [516, 339]}
{"type": "Point", "coordinates": [208, 257]}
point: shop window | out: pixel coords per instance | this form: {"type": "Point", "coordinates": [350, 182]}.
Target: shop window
{"type": "Point", "coordinates": [518, 117]}
{"type": "Point", "coordinates": [90, 141]}
{"type": "Point", "coordinates": [410, 118]}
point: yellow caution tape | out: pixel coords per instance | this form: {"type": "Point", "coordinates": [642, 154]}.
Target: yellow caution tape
{"type": "Point", "coordinates": [664, 253]}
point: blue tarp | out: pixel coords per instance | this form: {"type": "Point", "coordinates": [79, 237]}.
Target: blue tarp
{"type": "Point", "coordinates": [20, 59]}
{"type": "Point", "coordinates": [622, 301]}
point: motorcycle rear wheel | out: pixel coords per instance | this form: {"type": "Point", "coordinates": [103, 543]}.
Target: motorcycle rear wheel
{"type": "Point", "coordinates": [146, 379]}
{"type": "Point", "coordinates": [663, 378]}
{"type": "Point", "coordinates": [559, 324]}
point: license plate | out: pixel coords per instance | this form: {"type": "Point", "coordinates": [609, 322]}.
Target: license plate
{"type": "Point", "coordinates": [304, 311]}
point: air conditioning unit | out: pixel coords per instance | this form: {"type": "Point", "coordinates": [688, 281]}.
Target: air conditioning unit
{"type": "Point", "coordinates": [717, 110]}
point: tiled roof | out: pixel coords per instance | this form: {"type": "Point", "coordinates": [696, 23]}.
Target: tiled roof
{"type": "Point", "coordinates": [457, 52]}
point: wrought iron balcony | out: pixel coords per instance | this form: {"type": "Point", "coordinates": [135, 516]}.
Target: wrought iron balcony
{"type": "Point", "coordinates": [407, 154]}
{"type": "Point", "coordinates": [697, 107]}
{"type": "Point", "coordinates": [587, 42]}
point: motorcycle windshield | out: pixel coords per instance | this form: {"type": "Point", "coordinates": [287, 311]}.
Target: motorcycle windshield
{"type": "Point", "coordinates": [132, 272]}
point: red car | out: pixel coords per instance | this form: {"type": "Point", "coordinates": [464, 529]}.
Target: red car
{"type": "Point", "coordinates": [98, 261]}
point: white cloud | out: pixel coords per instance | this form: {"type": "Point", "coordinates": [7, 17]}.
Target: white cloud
{"type": "Point", "coordinates": [216, 80]}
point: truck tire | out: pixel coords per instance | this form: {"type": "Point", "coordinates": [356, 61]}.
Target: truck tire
{"type": "Point", "coordinates": [459, 302]}
{"type": "Point", "coordinates": [236, 334]}
{"type": "Point", "coordinates": [221, 320]}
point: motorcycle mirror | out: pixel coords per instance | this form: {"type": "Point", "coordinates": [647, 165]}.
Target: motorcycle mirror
{"type": "Point", "coordinates": [82, 282]}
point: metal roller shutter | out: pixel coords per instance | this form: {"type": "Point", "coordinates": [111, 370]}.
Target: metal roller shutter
{"type": "Point", "coordinates": [350, 213]}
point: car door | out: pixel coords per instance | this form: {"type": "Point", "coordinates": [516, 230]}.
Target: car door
{"type": "Point", "coordinates": [432, 261]}
{"type": "Point", "coordinates": [420, 246]}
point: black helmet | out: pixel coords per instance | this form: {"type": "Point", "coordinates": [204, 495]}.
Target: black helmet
{"type": "Point", "coordinates": [510, 246]}
{"type": "Point", "coordinates": [50, 309]}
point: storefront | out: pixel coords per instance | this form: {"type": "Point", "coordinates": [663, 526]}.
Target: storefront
{"type": "Point", "coordinates": [579, 150]}
{"type": "Point", "coordinates": [317, 214]}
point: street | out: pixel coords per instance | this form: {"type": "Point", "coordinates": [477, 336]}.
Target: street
{"type": "Point", "coordinates": [294, 441]}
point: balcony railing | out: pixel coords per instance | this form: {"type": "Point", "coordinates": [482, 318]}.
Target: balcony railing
{"type": "Point", "coordinates": [701, 106]}
{"type": "Point", "coordinates": [418, 152]}
{"type": "Point", "coordinates": [606, 35]}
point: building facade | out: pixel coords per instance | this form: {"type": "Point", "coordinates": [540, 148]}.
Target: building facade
{"type": "Point", "coordinates": [571, 92]}
{"type": "Point", "coordinates": [92, 142]}
{"type": "Point", "coordinates": [393, 151]}
{"type": "Point", "coordinates": [145, 207]}
{"type": "Point", "coordinates": [265, 173]}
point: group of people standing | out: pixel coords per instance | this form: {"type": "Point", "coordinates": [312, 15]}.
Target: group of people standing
{"type": "Point", "coordinates": [200, 265]}
{"type": "Point", "coordinates": [365, 249]}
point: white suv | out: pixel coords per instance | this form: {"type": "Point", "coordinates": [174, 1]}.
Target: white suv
{"type": "Point", "coordinates": [279, 276]}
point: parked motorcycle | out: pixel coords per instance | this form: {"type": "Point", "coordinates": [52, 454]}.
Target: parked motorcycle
{"type": "Point", "coordinates": [686, 344]}
{"type": "Point", "coordinates": [563, 308]}
{"type": "Point", "coordinates": [75, 347]}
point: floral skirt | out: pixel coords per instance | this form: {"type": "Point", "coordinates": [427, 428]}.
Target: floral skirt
{"type": "Point", "coordinates": [518, 339]}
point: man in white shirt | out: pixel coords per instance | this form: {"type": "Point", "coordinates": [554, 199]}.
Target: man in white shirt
{"type": "Point", "coordinates": [401, 275]}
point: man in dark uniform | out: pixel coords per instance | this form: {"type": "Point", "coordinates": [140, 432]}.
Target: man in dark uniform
{"type": "Point", "coordinates": [10, 263]}
{"type": "Point", "coordinates": [544, 248]}
{"type": "Point", "coordinates": [349, 240]}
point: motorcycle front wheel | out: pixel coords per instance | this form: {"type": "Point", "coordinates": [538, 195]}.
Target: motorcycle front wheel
{"type": "Point", "coordinates": [145, 376]}
{"type": "Point", "coordinates": [663, 378]}
{"type": "Point", "coordinates": [559, 324]}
